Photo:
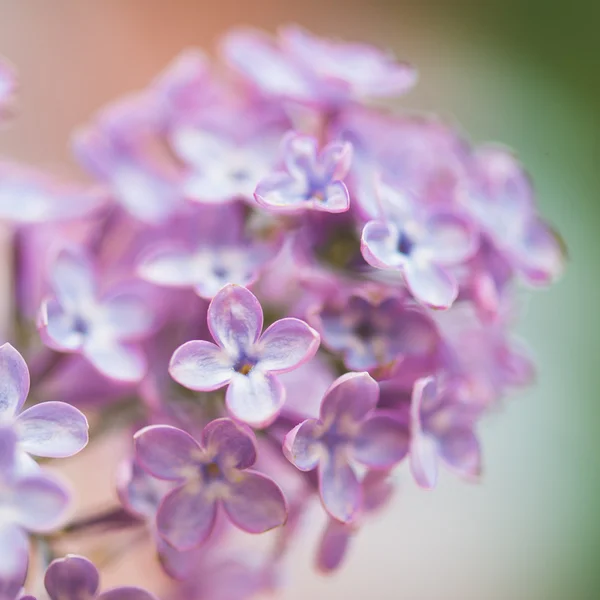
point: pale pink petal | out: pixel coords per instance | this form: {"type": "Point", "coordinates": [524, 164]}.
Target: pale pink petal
{"type": "Point", "coordinates": [301, 445]}
{"type": "Point", "coordinates": [201, 365]}
{"type": "Point", "coordinates": [122, 362]}
{"type": "Point", "coordinates": [431, 284]}
{"type": "Point", "coordinates": [73, 279]}
{"type": "Point", "coordinates": [424, 460]}
{"type": "Point", "coordinates": [14, 381]}
{"type": "Point", "coordinates": [352, 394]}
{"type": "Point", "coordinates": [256, 398]}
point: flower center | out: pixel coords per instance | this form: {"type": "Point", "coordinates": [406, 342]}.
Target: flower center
{"type": "Point", "coordinates": [405, 244]}
{"type": "Point", "coordinates": [244, 365]}
{"type": "Point", "coordinates": [212, 471]}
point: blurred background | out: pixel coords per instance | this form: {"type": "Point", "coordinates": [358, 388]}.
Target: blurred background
{"type": "Point", "coordinates": [524, 73]}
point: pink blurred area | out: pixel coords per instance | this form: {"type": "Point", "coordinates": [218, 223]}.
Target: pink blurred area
{"type": "Point", "coordinates": [460, 543]}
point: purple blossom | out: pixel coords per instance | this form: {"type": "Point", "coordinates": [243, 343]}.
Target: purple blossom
{"type": "Point", "coordinates": [308, 69]}
{"type": "Point", "coordinates": [103, 329]}
{"type": "Point", "coordinates": [311, 180]}
{"type": "Point", "coordinates": [441, 429]}
{"type": "Point", "coordinates": [221, 169]}
{"type": "Point", "coordinates": [29, 503]}
{"type": "Point", "coordinates": [76, 578]}
{"type": "Point", "coordinates": [421, 247]}
{"type": "Point", "coordinates": [49, 429]}
{"type": "Point", "coordinates": [214, 472]}
{"type": "Point", "coordinates": [223, 253]}
{"type": "Point", "coordinates": [501, 199]}
{"type": "Point", "coordinates": [28, 196]}
{"type": "Point", "coordinates": [373, 331]}
{"type": "Point", "coordinates": [348, 429]}
{"type": "Point", "coordinates": [243, 358]}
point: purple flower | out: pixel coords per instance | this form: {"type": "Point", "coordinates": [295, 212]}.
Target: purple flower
{"type": "Point", "coordinates": [501, 199]}
{"type": "Point", "coordinates": [76, 578]}
{"type": "Point", "coordinates": [308, 69]}
{"type": "Point", "coordinates": [373, 332]}
{"type": "Point", "coordinates": [335, 541]}
{"type": "Point", "coordinates": [30, 197]}
{"type": "Point", "coordinates": [348, 429]}
{"type": "Point", "coordinates": [243, 358]}
{"type": "Point", "coordinates": [421, 247]}
{"type": "Point", "coordinates": [223, 253]}
{"type": "Point", "coordinates": [221, 169]}
{"type": "Point", "coordinates": [35, 503]}
{"type": "Point", "coordinates": [311, 180]}
{"type": "Point", "coordinates": [212, 473]}
{"type": "Point", "coordinates": [441, 428]}
{"type": "Point", "coordinates": [102, 329]}
{"type": "Point", "coordinates": [49, 429]}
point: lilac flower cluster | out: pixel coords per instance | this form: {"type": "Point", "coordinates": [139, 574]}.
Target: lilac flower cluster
{"type": "Point", "coordinates": [277, 291]}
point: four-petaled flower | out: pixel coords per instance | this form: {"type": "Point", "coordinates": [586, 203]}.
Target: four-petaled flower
{"type": "Point", "coordinates": [208, 474]}
{"type": "Point", "coordinates": [441, 428]}
{"type": "Point", "coordinates": [311, 180]}
{"type": "Point", "coordinates": [348, 429]}
{"type": "Point", "coordinates": [420, 246]}
{"type": "Point", "coordinates": [103, 329]}
{"type": "Point", "coordinates": [49, 429]}
{"type": "Point", "coordinates": [76, 578]}
{"type": "Point", "coordinates": [244, 359]}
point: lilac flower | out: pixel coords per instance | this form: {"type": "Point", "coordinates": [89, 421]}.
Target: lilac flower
{"type": "Point", "coordinates": [243, 358]}
{"type": "Point", "coordinates": [212, 473]}
{"type": "Point", "coordinates": [421, 247]}
{"type": "Point", "coordinates": [336, 538]}
{"type": "Point", "coordinates": [103, 329]}
{"type": "Point", "coordinates": [221, 169]}
{"type": "Point", "coordinates": [441, 428]}
{"type": "Point", "coordinates": [316, 71]}
{"type": "Point", "coordinates": [501, 198]}
{"type": "Point", "coordinates": [348, 429]}
{"type": "Point", "coordinates": [34, 503]}
{"type": "Point", "coordinates": [311, 180]}
{"type": "Point", "coordinates": [223, 253]}
{"type": "Point", "coordinates": [49, 429]}
{"type": "Point", "coordinates": [374, 332]}
{"type": "Point", "coordinates": [30, 197]}
{"type": "Point", "coordinates": [76, 578]}
{"type": "Point", "coordinates": [118, 150]}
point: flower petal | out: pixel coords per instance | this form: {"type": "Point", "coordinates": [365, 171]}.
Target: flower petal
{"type": "Point", "coordinates": [165, 451]}
{"type": "Point", "coordinates": [170, 267]}
{"type": "Point", "coordinates": [381, 443]}
{"type": "Point", "coordinates": [287, 344]}
{"type": "Point", "coordinates": [129, 315]}
{"type": "Point", "coordinates": [14, 381]}
{"type": "Point", "coordinates": [73, 279]}
{"type": "Point", "coordinates": [459, 448]}
{"type": "Point", "coordinates": [40, 503]}
{"type": "Point", "coordinates": [71, 578]}
{"type": "Point", "coordinates": [333, 546]}
{"type": "Point", "coordinates": [186, 517]}
{"type": "Point", "coordinates": [430, 284]}
{"type": "Point", "coordinates": [8, 448]}
{"type": "Point", "coordinates": [255, 503]}
{"type": "Point", "coordinates": [235, 318]}
{"type": "Point", "coordinates": [52, 429]}
{"type": "Point", "coordinates": [299, 153]}
{"type": "Point", "coordinates": [200, 365]}
{"type": "Point", "coordinates": [352, 394]}
{"type": "Point", "coordinates": [379, 245]}
{"type": "Point", "coordinates": [341, 491]}
{"type": "Point", "coordinates": [122, 362]}
{"type": "Point", "coordinates": [256, 398]}
{"type": "Point", "coordinates": [57, 327]}
{"type": "Point", "coordinates": [301, 446]}
{"type": "Point", "coordinates": [281, 191]}
{"type": "Point", "coordinates": [14, 560]}
{"type": "Point", "coordinates": [232, 444]}
{"type": "Point", "coordinates": [451, 239]}
{"type": "Point", "coordinates": [126, 593]}
{"type": "Point", "coordinates": [424, 460]}
{"type": "Point", "coordinates": [336, 199]}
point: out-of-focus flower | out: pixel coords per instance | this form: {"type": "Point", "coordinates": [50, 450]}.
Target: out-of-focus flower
{"type": "Point", "coordinates": [243, 358]}
{"type": "Point", "coordinates": [223, 253]}
{"type": "Point", "coordinates": [441, 428]}
{"type": "Point", "coordinates": [421, 246]}
{"type": "Point", "coordinates": [76, 578]}
{"type": "Point", "coordinates": [373, 332]}
{"type": "Point", "coordinates": [347, 429]}
{"type": "Point", "coordinates": [501, 198]}
{"type": "Point", "coordinates": [217, 471]}
{"type": "Point", "coordinates": [312, 179]}
{"type": "Point", "coordinates": [8, 85]}
{"type": "Point", "coordinates": [305, 68]}
{"type": "Point", "coordinates": [49, 429]}
{"type": "Point", "coordinates": [28, 196]}
{"type": "Point", "coordinates": [104, 329]}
